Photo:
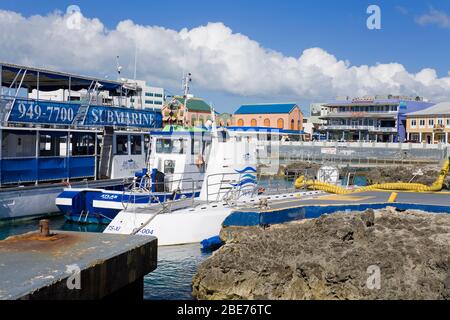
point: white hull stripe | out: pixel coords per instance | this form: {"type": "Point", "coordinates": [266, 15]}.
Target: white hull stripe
{"type": "Point", "coordinates": [63, 201]}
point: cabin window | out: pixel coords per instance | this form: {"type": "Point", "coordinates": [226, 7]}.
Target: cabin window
{"type": "Point", "coordinates": [122, 145]}
{"type": "Point", "coordinates": [196, 147]}
{"type": "Point", "coordinates": [240, 123]}
{"type": "Point", "coordinates": [53, 144]}
{"type": "Point", "coordinates": [169, 167]}
{"type": "Point", "coordinates": [170, 146]}
{"type": "Point", "coordinates": [136, 144]}
{"type": "Point", "coordinates": [253, 123]}
{"type": "Point", "coordinates": [267, 122]}
{"type": "Point", "coordinates": [18, 144]}
{"type": "Point", "coordinates": [83, 144]}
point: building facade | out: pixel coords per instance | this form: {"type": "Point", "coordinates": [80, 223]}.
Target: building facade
{"type": "Point", "coordinates": [318, 110]}
{"type": "Point", "coordinates": [431, 125]}
{"type": "Point", "coordinates": [196, 113]}
{"type": "Point", "coordinates": [224, 119]}
{"type": "Point", "coordinates": [379, 119]}
{"type": "Point", "coordinates": [286, 116]}
{"type": "Point", "coordinates": [149, 97]}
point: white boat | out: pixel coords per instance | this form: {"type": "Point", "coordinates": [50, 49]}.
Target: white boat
{"type": "Point", "coordinates": [230, 182]}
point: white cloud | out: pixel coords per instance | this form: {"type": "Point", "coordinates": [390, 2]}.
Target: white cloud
{"type": "Point", "coordinates": [434, 16]}
{"type": "Point", "coordinates": [218, 58]}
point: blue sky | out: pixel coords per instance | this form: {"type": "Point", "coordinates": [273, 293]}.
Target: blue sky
{"type": "Point", "coordinates": [288, 27]}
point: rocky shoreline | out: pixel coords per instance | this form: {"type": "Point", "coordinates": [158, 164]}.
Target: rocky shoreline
{"type": "Point", "coordinates": [382, 254]}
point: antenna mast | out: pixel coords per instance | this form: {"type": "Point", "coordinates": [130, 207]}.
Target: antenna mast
{"type": "Point", "coordinates": [186, 80]}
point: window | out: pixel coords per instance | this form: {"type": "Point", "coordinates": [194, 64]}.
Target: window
{"type": "Point", "coordinates": [421, 123]}
{"type": "Point", "coordinates": [292, 124]}
{"type": "Point", "coordinates": [196, 147]}
{"type": "Point", "coordinates": [448, 122]}
{"type": "Point", "coordinates": [122, 145]}
{"type": "Point", "coordinates": [158, 95]}
{"type": "Point", "coordinates": [148, 101]}
{"type": "Point", "coordinates": [440, 122]}
{"type": "Point", "coordinates": [280, 123]}
{"type": "Point", "coordinates": [53, 144]}
{"type": "Point", "coordinates": [136, 144]}
{"type": "Point", "coordinates": [413, 123]}
{"type": "Point", "coordinates": [430, 122]}
{"type": "Point", "coordinates": [267, 122]}
{"type": "Point", "coordinates": [18, 144]}
{"type": "Point", "coordinates": [240, 123]}
{"type": "Point", "coordinates": [170, 146]}
{"type": "Point", "coordinates": [83, 144]}
{"type": "Point", "coordinates": [149, 94]}
{"type": "Point", "coordinates": [158, 102]}
{"type": "Point", "coordinates": [253, 123]}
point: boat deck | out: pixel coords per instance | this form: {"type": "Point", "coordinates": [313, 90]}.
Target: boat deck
{"type": "Point", "coordinates": [296, 208]}
{"type": "Point", "coordinates": [442, 198]}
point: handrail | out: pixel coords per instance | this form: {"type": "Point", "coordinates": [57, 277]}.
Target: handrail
{"type": "Point", "coordinates": [219, 192]}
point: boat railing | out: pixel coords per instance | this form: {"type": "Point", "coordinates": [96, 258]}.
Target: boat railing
{"type": "Point", "coordinates": [230, 186]}
{"type": "Point", "coordinates": [186, 188]}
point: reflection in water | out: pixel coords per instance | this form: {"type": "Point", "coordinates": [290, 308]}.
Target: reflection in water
{"type": "Point", "coordinates": [173, 277]}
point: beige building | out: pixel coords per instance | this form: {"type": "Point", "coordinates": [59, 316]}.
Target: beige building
{"type": "Point", "coordinates": [275, 115]}
{"type": "Point", "coordinates": [431, 125]}
{"type": "Point", "coordinates": [196, 113]}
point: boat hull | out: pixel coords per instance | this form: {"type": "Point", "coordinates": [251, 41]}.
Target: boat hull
{"type": "Point", "coordinates": [31, 202]}
{"type": "Point", "coordinates": [190, 225]}
{"type": "Point", "coordinates": [101, 206]}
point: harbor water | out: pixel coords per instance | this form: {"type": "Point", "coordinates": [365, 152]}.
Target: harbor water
{"type": "Point", "coordinates": [176, 264]}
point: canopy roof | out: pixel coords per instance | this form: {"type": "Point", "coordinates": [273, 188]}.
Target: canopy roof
{"type": "Point", "coordinates": [54, 80]}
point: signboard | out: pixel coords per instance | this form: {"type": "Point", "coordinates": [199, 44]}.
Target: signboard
{"type": "Point", "coordinates": [44, 112]}
{"type": "Point", "coordinates": [328, 150]}
{"type": "Point", "coordinates": [62, 113]}
{"type": "Point", "coordinates": [124, 117]}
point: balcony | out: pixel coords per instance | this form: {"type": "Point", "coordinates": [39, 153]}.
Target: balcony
{"type": "Point", "coordinates": [358, 127]}
{"type": "Point", "coordinates": [354, 115]}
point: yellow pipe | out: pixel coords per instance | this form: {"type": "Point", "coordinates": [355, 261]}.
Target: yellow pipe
{"type": "Point", "coordinates": [395, 186]}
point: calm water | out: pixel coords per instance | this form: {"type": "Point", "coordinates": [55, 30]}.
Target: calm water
{"type": "Point", "coordinates": [176, 265]}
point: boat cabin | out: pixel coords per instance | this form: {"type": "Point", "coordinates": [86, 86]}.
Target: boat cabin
{"type": "Point", "coordinates": [58, 126]}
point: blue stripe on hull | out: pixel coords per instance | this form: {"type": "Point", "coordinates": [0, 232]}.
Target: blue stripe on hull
{"type": "Point", "coordinates": [244, 218]}
{"type": "Point", "coordinates": [82, 209]}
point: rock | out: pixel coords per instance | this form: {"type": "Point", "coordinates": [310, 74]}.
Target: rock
{"type": "Point", "coordinates": [336, 256]}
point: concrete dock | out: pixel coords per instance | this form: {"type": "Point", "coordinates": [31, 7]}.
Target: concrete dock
{"type": "Point", "coordinates": [75, 265]}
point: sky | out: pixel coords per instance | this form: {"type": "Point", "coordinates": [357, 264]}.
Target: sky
{"type": "Point", "coordinates": [247, 51]}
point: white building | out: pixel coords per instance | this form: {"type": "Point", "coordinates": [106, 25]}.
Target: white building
{"type": "Point", "coordinates": [318, 110]}
{"type": "Point", "coordinates": [150, 97]}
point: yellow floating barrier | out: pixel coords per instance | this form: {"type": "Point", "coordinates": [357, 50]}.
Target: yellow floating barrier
{"type": "Point", "coordinates": [394, 186]}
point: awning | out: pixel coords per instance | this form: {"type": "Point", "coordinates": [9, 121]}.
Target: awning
{"type": "Point", "coordinates": [54, 80]}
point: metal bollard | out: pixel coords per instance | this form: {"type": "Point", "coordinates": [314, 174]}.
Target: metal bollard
{"type": "Point", "coordinates": [44, 228]}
